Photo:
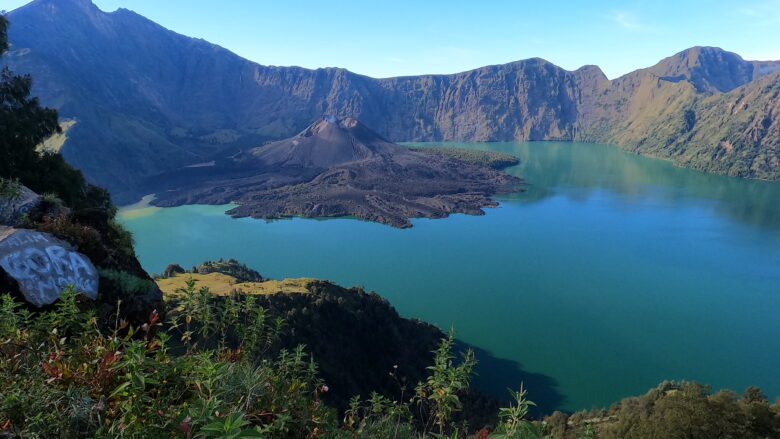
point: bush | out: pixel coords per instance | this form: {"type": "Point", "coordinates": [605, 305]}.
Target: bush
{"type": "Point", "coordinates": [677, 410]}
{"type": "Point", "coordinates": [86, 238]}
{"type": "Point", "coordinates": [10, 189]}
{"type": "Point", "coordinates": [214, 369]}
{"type": "Point", "coordinates": [128, 284]}
{"type": "Point", "coordinates": [211, 370]}
{"type": "Point", "coordinates": [62, 377]}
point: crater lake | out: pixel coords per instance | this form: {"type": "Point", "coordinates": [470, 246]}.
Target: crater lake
{"type": "Point", "coordinates": [610, 273]}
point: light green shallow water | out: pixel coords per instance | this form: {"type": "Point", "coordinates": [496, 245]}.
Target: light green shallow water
{"type": "Point", "coordinates": [611, 273]}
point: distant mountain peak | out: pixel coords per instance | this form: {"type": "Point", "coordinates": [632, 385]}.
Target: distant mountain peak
{"type": "Point", "coordinates": [591, 71]}
{"type": "Point", "coordinates": [344, 123]}
{"type": "Point", "coordinates": [338, 167]}
{"type": "Point", "coordinates": [349, 122]}
{"type": "Point", "coordinates": [74, 11]}
{"type": "Point", "coordinates": [330, 126]}
{"type": "Point", "coordinates": [699, 55]}
{"type": "Point", "coordinates": [709, 69]}
{"type": "Point", "coordinates": [327, 142]}
{"type": "Point", "coordinates": [82, 4]}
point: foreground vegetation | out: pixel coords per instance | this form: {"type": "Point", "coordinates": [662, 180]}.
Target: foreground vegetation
{"type": "Point", "coordinates": [675, 410]}
{"type": "Point", "coordinates": [211, 369]}
{"type": "Point", "coordinates": [214, 368]}
{"type": "Point", "coordinates": [221, 366]}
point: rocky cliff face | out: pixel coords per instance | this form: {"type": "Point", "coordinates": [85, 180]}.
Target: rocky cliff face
{"type": "Point", "coordinates": [525, 100]}
{"type": "Point", "coordinates": [147, 100]}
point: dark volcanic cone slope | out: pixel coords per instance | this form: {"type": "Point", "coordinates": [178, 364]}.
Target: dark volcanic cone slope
{"type": "Point", "coordinates": [325, 144]}
{"type": "Point", "coordinates": [340, 168]}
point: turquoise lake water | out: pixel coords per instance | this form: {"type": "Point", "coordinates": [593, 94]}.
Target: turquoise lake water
{"type": "Point", "coordinates": [611, 273]}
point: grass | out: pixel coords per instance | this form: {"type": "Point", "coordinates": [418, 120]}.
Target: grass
{"type": "Point", "coordinates": [55, 142]}
{"type": "Point", "coordinates": [222, 284]}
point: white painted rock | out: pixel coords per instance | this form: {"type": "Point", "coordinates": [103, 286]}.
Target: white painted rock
{"type": "Point", "coordinates": [44, 265]}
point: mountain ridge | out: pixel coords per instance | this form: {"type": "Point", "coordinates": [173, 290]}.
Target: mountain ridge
{"type": "Point", "coordinates": [148, 100]}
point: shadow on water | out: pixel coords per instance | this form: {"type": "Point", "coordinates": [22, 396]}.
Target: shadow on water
{"type": "Point", "coordinates": [495, 376]}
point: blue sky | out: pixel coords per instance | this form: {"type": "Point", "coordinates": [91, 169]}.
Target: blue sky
{"type": "Point", "coordinates": [409, 37]}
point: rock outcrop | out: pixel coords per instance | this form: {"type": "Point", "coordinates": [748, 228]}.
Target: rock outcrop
{"type": "Point", "coordinates": [42, 266]}
{"type": "Point", "coordinates": [56, 247]}
{"type": "Point", "coordinates": [14, 207]}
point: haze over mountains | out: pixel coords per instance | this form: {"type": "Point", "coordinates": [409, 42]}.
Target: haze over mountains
{"type": "Point", "coordinates": [147, 100]}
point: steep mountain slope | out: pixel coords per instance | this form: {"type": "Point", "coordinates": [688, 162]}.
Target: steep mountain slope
{"type": "Point", "coordinates": [147, 100]}
{"type": "Point", "coordinates": [736, 133]}
{"type": "Point", "coordinates": [679, 110]}
{"type": "Point", "coordinates": [325, 144]}
{"type": "Point", "coordinates": [709, 69]}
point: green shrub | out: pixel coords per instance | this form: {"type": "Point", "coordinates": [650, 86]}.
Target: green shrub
{"type": "Point", "coordinates": [52, 198]}
{"type": "Point", "coordinates": [86, 238]}
{"type": "Point", "coordinates": [676, 410]}
{"type": "Point", "coordinates": [62, 377]}
{"type": "Point", "coordinates": [10, 189]}
{"type": "Point", "coordinates": [128, 284]}
{"type": "Point", "coordinates": [122, 237]}
{"type": "Point", "coordinates": [210, 370]}
{"type": "Point", "coordinates": [213, 369]}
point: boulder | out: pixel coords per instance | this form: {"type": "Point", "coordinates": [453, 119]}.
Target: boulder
{"type": "Point", "coordinates": [172, 270]}
{"type": "Point", "coordinates": [42, 266]}
{"type": "Point", "coordinates": [13, 208]}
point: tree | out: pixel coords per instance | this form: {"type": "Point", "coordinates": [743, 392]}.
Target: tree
{"type": "Point", "coordinates": [25, 124]}
{"type": "Point", "coordinates": [3, 34]}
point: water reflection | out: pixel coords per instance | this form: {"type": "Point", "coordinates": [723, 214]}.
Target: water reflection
{"type": "Point", "coordinates": [576, 170]}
